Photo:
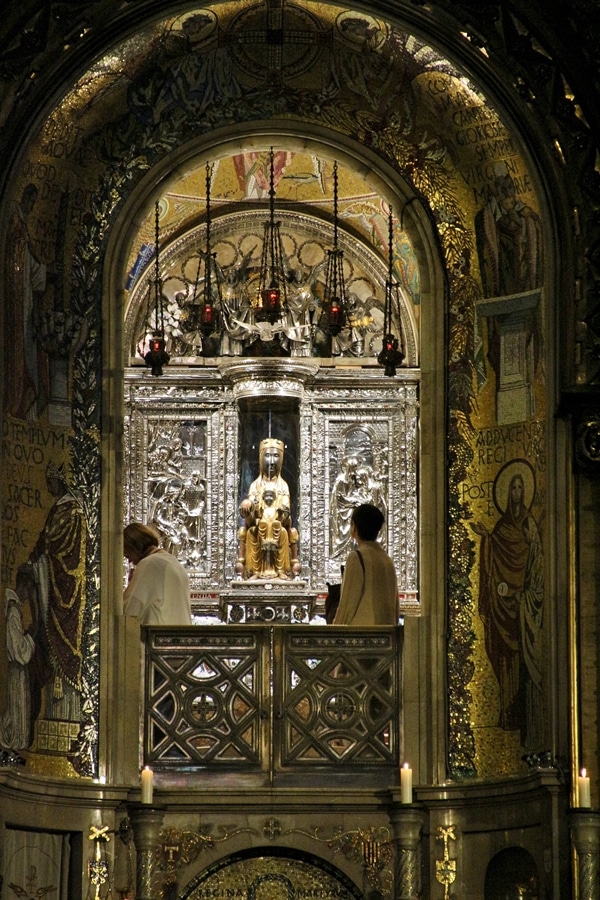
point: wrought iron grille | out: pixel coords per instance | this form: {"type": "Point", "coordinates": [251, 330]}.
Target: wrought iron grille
{"type": "Point", "coordinates": [273, 701]}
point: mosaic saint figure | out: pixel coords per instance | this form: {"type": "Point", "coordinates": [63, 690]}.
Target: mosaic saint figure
{"type": "Point", "coordinates": [58, 562]}
{"type": "Point", "coordinates": [509, 240]}
{"type": "Point", "coordinates": [15, 721]}
{"type": "Point", "coordinates": [511, 595]}
{"type": "Point", "coordinates": [510, 250]}
{"type": "Point", "coordinates": [268, 542]}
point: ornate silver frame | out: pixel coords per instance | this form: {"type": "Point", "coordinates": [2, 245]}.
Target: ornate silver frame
{"type": "Point", "coordinates": [341, 409]}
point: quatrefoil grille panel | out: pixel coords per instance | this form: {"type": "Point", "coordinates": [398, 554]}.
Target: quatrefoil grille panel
{"type": "Point", "coordinates": [340, 699]}
{"type": "Point", "coordinates": [203, 701]}
{"type": "Point", "coordinates": [273, 699]}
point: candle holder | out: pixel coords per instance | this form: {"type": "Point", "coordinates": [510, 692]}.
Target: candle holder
{"type": "Point", "coordinates": [146, 821]}
{"type": "Point", "coordinates": [584, 825]}
{"type": "Point", "coordinates": [408, 823]}
{"type": "Point", "coordinates": [98, 869]}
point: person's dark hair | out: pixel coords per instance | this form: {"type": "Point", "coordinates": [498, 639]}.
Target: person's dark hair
{"type": "Point", "coordinates": [140, 538]}
{"type": "Point", "coordinates": [368, 520]}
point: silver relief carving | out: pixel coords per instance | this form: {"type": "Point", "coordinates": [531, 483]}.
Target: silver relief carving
{"type": "Point", "coordinates": [176, 484]}
{"type": "Point", "coordinates": [308, 463]}
{"type": "Point", "coordinates": [358, 474]}
{"type": "Point", "coordinates": [238, 254]}
{"type": "Point", "coordinates": [229, 473]}
{"type": "Point", "coordinates": [358, 437]}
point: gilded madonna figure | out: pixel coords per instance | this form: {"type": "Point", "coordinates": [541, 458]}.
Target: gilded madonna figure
{"type": "Point", "coordinates": [268, 542]}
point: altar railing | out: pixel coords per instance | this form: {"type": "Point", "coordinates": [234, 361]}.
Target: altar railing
{"type": "Point", "coordinates": [274, 704]}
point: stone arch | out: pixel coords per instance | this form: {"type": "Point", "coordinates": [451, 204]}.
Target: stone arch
{"type": "Point", "coordinates": [390, 185]}
{"type": "Point", "coordinates": [289, 868]}
{"type": "Point", "coordinates": [409, 207]}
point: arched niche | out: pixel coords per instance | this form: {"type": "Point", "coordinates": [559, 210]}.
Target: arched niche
{"type": "Point", "coordinates": [285, 869]}
{"type": "Point", "coordinates": [301, 228]}
{"type": "Point", "coordinates": [383, 184]}
{"type": "Point", "coordinates": [512, 873]}
{"type": "Point", "coordinates": [109, 187]}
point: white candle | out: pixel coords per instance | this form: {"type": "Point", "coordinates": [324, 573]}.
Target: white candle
{"type": "Point", "coordinates": [583, 784]}
{"type": "Point", "coordinates": [147, 784]}
{"type": "Point", "coordinates": [406, 784]}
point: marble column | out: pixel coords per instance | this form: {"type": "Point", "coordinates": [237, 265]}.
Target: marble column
{"type": "Point", "coordinates": [146, 822]}
{"type": "Point", "coordinates": [408, 821]}
{"type": "Point", "coordinates": [585, 835]}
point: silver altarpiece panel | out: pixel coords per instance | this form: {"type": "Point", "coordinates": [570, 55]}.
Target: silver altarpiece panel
{"type": "Point", "coordinates": [191, 449]}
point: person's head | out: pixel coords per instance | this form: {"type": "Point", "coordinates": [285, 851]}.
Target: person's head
{"type": "Point", "coordinates": [271, 457]}
{"type": "Point", "coordinates": [138, 540]}
{"type": "Point", "coordinates": [505, 192]}
{"type": "Point", "coordinates": [516, 492]}
{"type": "Point", "coordinates": [268, 496]}
{"type": "Point", "coordinates": [367, 520]}
{"type": "Point", "coordinates": [56, 479]}
{"type": "Point", "coordinates": [28, 198]}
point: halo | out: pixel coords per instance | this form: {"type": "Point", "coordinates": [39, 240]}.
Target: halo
{"type": "Point", "coordinates": [206, 17]}
{"type": "Point", "coordinates": [367, 19]}
{"type": "Point", "coordinates": [502, 480]}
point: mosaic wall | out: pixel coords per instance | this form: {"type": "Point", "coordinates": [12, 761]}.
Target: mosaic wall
{"type": "Point", "coordinates": [361, 78]}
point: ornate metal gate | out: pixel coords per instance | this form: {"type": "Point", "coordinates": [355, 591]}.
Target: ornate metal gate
{"type": "Point", "coordinates": [277, 703]}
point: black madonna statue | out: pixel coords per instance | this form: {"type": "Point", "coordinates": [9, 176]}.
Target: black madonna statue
{"type": "Point", "coordinates": [268, 543]}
